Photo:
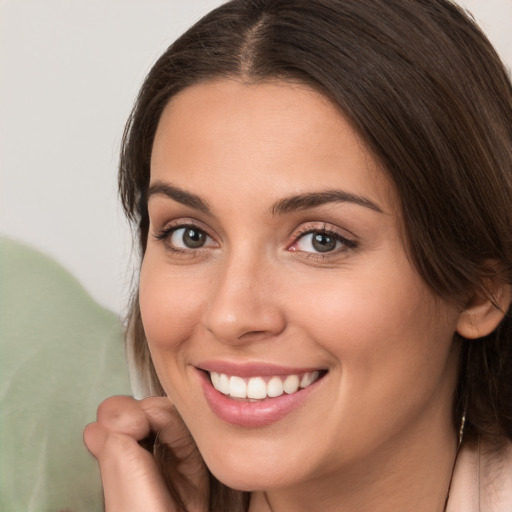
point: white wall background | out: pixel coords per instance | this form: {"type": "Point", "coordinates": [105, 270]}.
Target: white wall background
{"type": "Point", "coordinates": [69, 72]}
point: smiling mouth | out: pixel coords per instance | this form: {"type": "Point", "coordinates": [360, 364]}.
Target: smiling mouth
{"type": "Point", "coordinates": [261, 388]}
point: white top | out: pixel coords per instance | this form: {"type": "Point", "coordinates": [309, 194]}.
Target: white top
{"type": "Point", "coordinates": [482, 481]}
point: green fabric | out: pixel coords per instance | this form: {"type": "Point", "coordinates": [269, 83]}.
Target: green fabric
{"type": "Point", "coordinates": [60, 355]}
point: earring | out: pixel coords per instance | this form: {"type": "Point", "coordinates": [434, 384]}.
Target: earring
{"type": "Point", "coordinates": [461, 429]}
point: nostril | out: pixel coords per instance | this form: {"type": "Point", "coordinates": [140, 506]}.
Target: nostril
{"type": "Point", "coordinates": [254, 335]}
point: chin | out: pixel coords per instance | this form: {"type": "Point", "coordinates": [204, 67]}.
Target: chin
{"type": "Point", "coordinates": [253, 469]}
{"type": "Point", "coordinates": [249, 479]}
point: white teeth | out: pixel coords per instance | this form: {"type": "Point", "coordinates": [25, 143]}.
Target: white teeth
{"type": "Point", "coordinates": [258, 388]}
{"type": "Point", "coordinates": [275, 387]}
{"type": "Point", "coordinates": [223, 384]}
{"type": "Point", "coordinates": [291, 384]}
{"type": "Point", "coordinates": [215, 379]}
{"type": "Point", "coordinates": [237, 387]}
{"type": "Point", "coordinates": [308, 379]}
{"type": "Point", "coordinates": [305, 382]}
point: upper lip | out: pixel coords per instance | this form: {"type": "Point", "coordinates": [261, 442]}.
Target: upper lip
{"type": "Point", "coordinates": [253, 369]}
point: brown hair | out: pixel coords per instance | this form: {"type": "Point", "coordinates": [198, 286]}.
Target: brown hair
{"type": "Point", "coordinates": [428, 94]}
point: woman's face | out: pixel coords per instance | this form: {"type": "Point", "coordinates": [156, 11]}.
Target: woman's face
{"type": "Point", "coordinates": [275, 266]}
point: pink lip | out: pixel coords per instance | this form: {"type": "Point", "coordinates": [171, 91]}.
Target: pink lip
{"type": "Point", "coordinates": [247, 414]}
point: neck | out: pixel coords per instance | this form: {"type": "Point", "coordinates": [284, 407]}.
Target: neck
{"type": "Point", "coordinates": [409, 470]}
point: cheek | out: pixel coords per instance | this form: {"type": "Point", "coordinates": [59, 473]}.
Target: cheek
{"type": "Point", "coordinates": [389, 347]}
{"type": "Point", "coordinates": [385, 322]}
{"type": "Point", "coordinates": [348, 312]}
{"type": "Point", "coordinates": [170, 305]}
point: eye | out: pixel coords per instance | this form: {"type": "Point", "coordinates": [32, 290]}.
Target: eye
{"type": "Point", "coordinates": [188, 237]}
{"type": "Point", "coordinates": [185, 238]}
{"type": "Point", "coordinates": [321, 242]}
{"type": "Point", "coordinates": [318, 241]}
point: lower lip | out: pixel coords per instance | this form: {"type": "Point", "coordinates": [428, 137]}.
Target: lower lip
{"type": "Point", "coordinates": [253, 414]}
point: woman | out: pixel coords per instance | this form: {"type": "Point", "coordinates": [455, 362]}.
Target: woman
{"type": "Point", "coordinates": [322, 194]}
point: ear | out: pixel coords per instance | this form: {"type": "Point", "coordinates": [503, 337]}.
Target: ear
{"type": "Point", "coordinates": [485, 310]}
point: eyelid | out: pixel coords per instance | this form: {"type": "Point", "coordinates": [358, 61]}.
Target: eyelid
{"type": "Point", "coordinates": [312, 227]}
{"type": "Point", "coordinates": [182, 222]}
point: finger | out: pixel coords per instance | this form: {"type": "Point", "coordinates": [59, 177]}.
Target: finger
{"type": "Point", "coordinates": [131, 479]}
{"type": "Point", "coordinates": [178, 457]}
{"type": "Point", "coordinates": [124, 415]}
{"type": "Point", "coordinates": [164, 419]}
{"type": "Point", "coordinates": [145, 420]}
{"type": "Point", "coordinates": [94, 438]}
{"type": "Point", "coordinates": [128, 469]}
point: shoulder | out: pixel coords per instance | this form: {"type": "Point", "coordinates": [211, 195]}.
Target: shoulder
{"type": "Point", "coordinates": [482, 481]}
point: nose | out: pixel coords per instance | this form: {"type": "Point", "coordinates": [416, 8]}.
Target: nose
{"type": "Point", "coordinates": [243, 305]}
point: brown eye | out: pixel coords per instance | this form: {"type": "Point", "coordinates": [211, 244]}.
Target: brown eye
{"type": "Point", "coordinates": [188, 237]}
{"type": "Point", "coordinates": [323, 242]}
{"type": "Point", "coordinates": [194, 238]}
{"type": "Point", "coordinates": [320, 242]}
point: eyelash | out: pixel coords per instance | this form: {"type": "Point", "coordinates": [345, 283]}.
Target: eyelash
{"type": "Point", "coordinates": [347, 244]}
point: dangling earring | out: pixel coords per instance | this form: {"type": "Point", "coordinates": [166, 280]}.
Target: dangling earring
{"type": "Point", "coordinates": [459, 444]}
{"type": "Point", "coordinates": [461, 429]}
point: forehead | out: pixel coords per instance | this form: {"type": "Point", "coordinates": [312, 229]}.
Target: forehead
{"type": "Point", "coordinates": [273, 138]}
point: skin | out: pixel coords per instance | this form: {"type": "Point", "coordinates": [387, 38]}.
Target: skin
{"type": "Point", "coordinates": [131, 480]}
{"type": "Point", "coordinates": [376, 432]}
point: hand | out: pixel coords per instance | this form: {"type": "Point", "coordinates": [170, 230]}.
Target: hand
{"type": "Point", "coordinates": [133, 479]}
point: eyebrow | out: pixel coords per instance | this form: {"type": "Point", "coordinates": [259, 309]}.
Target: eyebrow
{"type": "Point", "coordinates": [314, 199]}
{"type": "Point", "coordinates": [286, 205]}
{"type": "Point", "coordinates": [179, 195]}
